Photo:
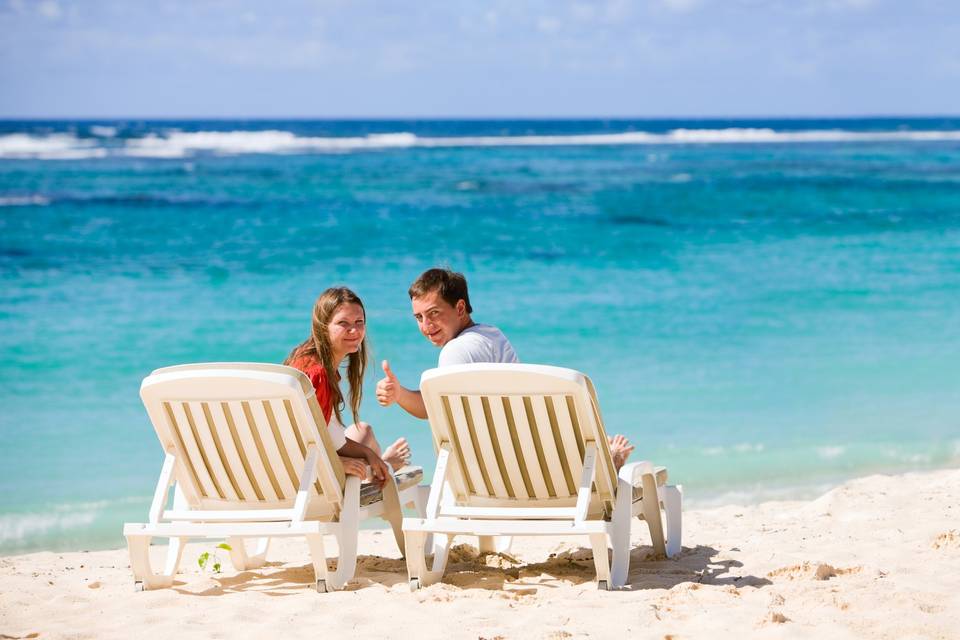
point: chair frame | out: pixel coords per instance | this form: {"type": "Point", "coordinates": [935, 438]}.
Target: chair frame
{"type": "Point", "coordinates": [602, 509]}
{"type": "Point", "coordinates": [339, 508]}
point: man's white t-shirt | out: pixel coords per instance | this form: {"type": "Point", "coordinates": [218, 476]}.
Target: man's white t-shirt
{"type": "Point", "coordinates": [477, 343]}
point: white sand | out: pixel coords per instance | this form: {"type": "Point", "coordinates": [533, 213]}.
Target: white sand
{"type": "Point", "coordinates": [877, 557]}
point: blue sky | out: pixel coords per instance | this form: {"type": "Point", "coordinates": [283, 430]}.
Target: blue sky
{"type": "Point", "coordinates": [360, 58]}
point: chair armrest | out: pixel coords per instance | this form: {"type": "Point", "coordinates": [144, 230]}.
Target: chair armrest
{"type": "Point", "coordinates": [633, 471]}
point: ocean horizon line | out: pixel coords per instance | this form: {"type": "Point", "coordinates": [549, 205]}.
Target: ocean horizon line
{"type": "Point", "coordinates": [475, 118]}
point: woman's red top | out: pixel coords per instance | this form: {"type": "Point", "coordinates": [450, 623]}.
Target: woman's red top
{"type": "Point", "coordinates": [318, 378]}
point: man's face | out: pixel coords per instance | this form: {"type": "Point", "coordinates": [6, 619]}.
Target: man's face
{"type": "Point", "coordinates": [438, 321]}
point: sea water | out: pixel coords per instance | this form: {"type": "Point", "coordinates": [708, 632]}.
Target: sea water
{"type": "Point", "coordinates": [765, 307]}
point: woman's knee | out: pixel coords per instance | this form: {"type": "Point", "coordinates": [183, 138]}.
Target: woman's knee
{"type": "Point", "coordinates": [362, 432]}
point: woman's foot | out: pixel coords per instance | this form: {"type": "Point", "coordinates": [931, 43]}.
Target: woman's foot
{"type": "Point", "coordinates": [620, 449]}
{"type": "Point", "coordinates": [397, 455]}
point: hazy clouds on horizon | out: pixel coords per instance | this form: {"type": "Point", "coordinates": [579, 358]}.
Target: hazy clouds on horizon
{"type": "Point", "coordinates": [234, 58]}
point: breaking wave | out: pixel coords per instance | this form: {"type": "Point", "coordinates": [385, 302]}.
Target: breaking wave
{"type": "Point", "coordinates": [180, 144]}
{"type": "Point", "coordinates": [19, 527]}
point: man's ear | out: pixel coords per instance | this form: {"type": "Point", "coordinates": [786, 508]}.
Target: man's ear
{"type": "Point", "coordinates": [461, 307]}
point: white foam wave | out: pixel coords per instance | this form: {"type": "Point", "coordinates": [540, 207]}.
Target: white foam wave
{"type": "Point", "coordinates": [58, 146]}
{"type": "Point", "coordinates": [23, 201]}
{"type": "Point", "coordinates": [103, 131]}
{"type": "Point", "coordinates": [16, 527]}
{"type": "Point", "coordinates": [743, 447]}
{"type": "Point", "coordinates": [178, 144]}
{"type": "Point", "coordinates": [829, 453]}
{"type": "Point", "coordinates": [756, 494]}
{"type": "Point", "coordinates": [693, 136]}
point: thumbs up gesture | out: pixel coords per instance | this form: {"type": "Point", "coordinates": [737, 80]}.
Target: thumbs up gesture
{"type": "Point", "coordinates": [388, 388]}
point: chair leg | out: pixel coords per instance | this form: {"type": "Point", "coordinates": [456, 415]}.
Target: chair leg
{"type": "Point", "coordinates": [143, 574]}
{"type": "Point", "coordinates": [650, 503]}
{"type": "Point", "coordinates": [673, 505]}
{"type": "Point", "coordinates": [346, 534]}
{"type": "Point", "coordinates": [174, 554]}
{"type": "Point", "coordinates": [392, 512]}
{"type": "Point", "coordinates": [598, 541]}
{"type": "Point", "coordinates": [241, 560]}
{"type": "Point", "coordinates": [495, 544]}
{"type": "Point", "coordinates": [419, 573]}
{"type": "Point", "coordinates": [318, 557]}
{"type": "Point", "coordinates": [346, 561]}
{"type": "Point", "coordinates": [421, 494]}
{"type": "Point", "coordinates": [620, 543]}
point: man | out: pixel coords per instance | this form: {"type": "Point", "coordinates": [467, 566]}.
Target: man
{"type": "Point", "coordinates": [441, 307]}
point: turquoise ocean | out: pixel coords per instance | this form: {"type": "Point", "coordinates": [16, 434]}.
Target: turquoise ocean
{"type": "Point", "coordinates": [767, 307]}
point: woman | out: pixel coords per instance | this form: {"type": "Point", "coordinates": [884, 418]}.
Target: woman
{"type": "Point", "coordinates": [337, 334]}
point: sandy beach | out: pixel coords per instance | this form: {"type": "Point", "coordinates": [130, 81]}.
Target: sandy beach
{"type": "Point", "coordinates": [878, 557]}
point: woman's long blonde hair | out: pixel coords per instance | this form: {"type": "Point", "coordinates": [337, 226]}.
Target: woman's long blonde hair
{"type": "Point", "coordinates": [317, 348]}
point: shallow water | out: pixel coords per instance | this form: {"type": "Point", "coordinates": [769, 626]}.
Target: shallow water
{"type": "Point", "coordinates": [763, 315]}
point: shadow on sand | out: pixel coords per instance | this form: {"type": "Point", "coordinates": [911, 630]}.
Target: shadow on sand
{"type": "Point", "coordinates": [469, 569]}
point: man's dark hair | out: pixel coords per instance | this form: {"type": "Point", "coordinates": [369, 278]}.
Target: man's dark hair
{"type": "Point", "coordinates": [451, 286]}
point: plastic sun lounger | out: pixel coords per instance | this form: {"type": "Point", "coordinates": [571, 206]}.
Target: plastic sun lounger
{"type": "Point", "coordinates": [250, 456]}
{"type": "Point", "coordinates": [522, 451]}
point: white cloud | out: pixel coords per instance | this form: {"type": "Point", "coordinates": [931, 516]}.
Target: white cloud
{"type": "Point", "coordinates": [548, 24]}
{"type": "Point", "coordinates": [854, 4]}
{"type": "Point", "coordinates": [583, 11]}
{"type": "Point", "coordinates": [50, 9]}
{"type": "Point", "coordinates": [681, 6]}
{"type": "Point", "coordinates": [835, 6]}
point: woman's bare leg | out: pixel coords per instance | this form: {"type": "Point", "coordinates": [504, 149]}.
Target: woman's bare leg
{"type": "Point", "coordinates": [396, 455]}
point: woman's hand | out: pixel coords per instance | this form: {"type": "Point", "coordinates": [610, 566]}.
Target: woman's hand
{"type": "Point", "coordinates": [379, 468]}
{"type": "Point", "coordinates": [355, 457]}
{"type": "Point", "coordinates": [354, 467]}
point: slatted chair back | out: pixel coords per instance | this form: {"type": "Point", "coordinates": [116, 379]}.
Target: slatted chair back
{"type": "Point", "coordinates": [517, 434]}
{"type": "Point", "coordinates": [240, 433]}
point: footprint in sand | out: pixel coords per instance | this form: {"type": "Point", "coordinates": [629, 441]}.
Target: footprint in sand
{"type": "Point", "coordinates": [816, 571]}
{"type": "Point", "coordinates": [778, 618]}
{"type": "Point", "coordinates": [947, 540]}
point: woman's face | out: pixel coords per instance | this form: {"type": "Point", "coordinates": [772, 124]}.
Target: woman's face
{"type": "Point", "coordinates": [347, 328]}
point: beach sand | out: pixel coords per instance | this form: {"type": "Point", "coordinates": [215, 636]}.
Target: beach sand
{"type": "Point", "coordinates": [878, 557]}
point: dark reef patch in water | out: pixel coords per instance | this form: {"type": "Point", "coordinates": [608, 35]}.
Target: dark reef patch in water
{"type": "Point", "coordinates": [149, 200]}
{"type": "Point", "coordinates": [14, 252]}
{"type": "Point", "coordinates": [638, 220]}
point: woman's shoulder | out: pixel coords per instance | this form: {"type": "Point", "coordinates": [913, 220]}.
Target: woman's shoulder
{"type": "Point", "coordinates": [309, 366]}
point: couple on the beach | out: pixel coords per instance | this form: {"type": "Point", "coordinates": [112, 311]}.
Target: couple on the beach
{"type": "Point", "coordinates": [441, 307]}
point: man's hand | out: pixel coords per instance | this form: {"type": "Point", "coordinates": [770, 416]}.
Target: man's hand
{"type": "Point", "coordinates": [387, 389]}
{"type": "Point", "coordinates": [390, 391]}
{"type": "Point", "coordinates": [354, 467]}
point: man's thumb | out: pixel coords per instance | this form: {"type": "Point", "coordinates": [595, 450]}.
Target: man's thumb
{"type": "Point", "coordinates": [386, 369]}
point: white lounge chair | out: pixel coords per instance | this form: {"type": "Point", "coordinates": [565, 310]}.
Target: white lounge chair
{"type": "Point", "coordinates": [522, 451]}
{"type": "Point", "coordinates": [248, 450]}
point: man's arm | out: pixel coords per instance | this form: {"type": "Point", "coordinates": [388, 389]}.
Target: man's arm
{"type": "Point", "coordinates": [390, 391]}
